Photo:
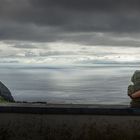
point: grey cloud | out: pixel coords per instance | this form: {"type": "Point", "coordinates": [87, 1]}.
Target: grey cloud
{"type": "Point", "coordinates": [57, 20]}
{"type": "Point", "coordinates": [103, 5]}
{"type": "Point", "coordinates": [24, 46]}
{"type": "Point", "coordinates": [29, 32]}
{"type": "Point", "coordinates": [104, 39]}
{"type": "Point", "coordinates": [54, 53]}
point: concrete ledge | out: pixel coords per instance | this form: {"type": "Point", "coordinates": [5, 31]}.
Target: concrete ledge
{"type": "Point", "coordinates": [68, 109]}
{"type": "Point", "coordinates": [68, 122]}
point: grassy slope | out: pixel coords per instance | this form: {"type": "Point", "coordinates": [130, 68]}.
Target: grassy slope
{"type": "Point", "coordinates": [2, 100]}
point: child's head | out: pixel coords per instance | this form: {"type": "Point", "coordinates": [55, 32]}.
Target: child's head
{"type": "Point", "coordinates": [136, 77]}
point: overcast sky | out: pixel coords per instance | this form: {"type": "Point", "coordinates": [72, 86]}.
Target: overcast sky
{"type": "Point", "coordinates": [65, 31]}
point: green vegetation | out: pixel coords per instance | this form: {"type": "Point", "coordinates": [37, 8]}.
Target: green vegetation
{"type": "Point", "coordinates": [2, 100]}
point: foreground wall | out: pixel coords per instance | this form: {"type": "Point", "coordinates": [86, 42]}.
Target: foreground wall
{"type": "Point", "coordinates": [69, 123]}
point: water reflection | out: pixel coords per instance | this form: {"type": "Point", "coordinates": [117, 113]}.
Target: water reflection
{"type": "Point", "coordinates": [75, 84]}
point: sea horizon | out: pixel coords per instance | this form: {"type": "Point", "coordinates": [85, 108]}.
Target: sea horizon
{"type": "Point", "coordinates": [70, 84]}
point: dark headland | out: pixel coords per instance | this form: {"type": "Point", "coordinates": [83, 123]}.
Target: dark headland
{"type": "Point", "coordinates": [5, 94]}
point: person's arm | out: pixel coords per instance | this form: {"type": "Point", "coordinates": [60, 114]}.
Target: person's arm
{"type": "Point", "coordinates": [136, 94]}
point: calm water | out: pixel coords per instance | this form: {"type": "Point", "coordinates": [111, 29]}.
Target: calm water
{"type": "Point", "coordinates": [97, 84]}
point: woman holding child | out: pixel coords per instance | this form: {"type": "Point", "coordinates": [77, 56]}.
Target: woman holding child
{"type": "Point", "coordinates": [134, 89]}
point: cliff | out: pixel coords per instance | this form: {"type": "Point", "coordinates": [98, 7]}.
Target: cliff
{"type": "Point", "coordinates": [5, 93]}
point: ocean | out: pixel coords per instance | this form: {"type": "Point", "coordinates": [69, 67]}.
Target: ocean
{"type": "Point", "coordinates": [75, 84]}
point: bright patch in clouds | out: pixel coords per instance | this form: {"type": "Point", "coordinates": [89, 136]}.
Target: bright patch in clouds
{"type": "Point", "coordinates": [65, 53]}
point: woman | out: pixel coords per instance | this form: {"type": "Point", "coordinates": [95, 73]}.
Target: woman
{"type": "Point", "coordinates": [134, 89]}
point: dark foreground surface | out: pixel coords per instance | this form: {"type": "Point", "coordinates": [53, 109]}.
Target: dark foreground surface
{"type": "Point", "coordinates": [37, 121]}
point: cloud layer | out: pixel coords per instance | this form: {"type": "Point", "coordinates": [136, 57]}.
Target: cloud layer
{"type": "Point", "coordinates": [51, 20]}
{"type": "Point", "coordinates": [29, 27]}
